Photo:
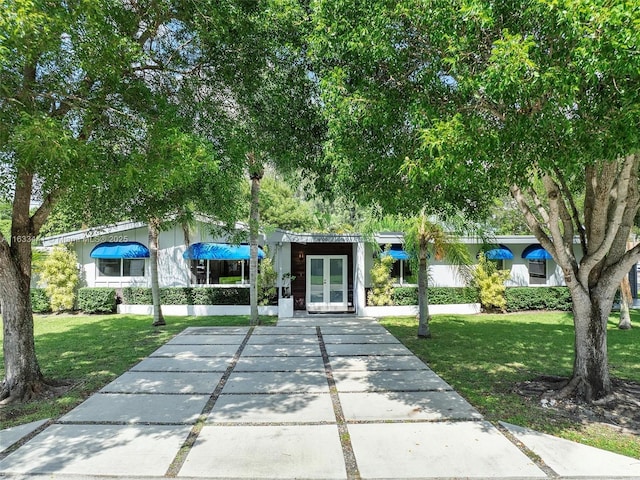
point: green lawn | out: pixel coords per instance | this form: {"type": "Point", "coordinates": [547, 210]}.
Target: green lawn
{"type": "Point", "coordinates": [483, 356]}
{"type": "Point", "coordinates": [93, 350]}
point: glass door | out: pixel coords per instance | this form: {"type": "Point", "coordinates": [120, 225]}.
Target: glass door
{"type": "Point", "coordinates": [326, 282]}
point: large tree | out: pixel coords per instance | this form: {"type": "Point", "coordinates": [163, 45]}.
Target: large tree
{"type": "Point", "coordinates": [77, 81]}
{"type": "Point", "coordinates": [270, 93]}
{"type": "Point", "coordinates": [472, 97]}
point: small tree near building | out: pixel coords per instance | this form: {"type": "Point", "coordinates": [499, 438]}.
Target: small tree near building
{"type": "Point", "coordinates": [60, 277]}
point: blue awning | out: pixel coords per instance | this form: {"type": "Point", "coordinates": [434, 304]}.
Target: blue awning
{"type": "Point", "coordinates": [397, 253]}
{"type": "Point", "coordinates": [500, 253]}
{"type": "Point", "coordinates": [536, 252]}
{"type": "Point", "coordinates": [120, 250]}
{"type": "Point", "coordinates": [219, 251]}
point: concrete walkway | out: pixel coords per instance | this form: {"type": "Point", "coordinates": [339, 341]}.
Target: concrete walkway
{"type": "Point", "coordinates": [316, 398]}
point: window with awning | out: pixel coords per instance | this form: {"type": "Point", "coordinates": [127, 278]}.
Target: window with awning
{"type": "Point", "coordinates": [120, 259]}
{"type": "Point", "coordinates": [537, 257]}
{"type": "Point", "coordinates": [401, 269]}
{"type": "Point", "coordinates": [219, 263]}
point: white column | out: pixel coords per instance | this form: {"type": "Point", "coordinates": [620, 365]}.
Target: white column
{"type": "Point", "coordinates": [359, 297]}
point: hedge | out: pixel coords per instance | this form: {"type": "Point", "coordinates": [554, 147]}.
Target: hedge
{"type": "Point", "coordinates": [538, 298]}
{"type": "Point", "coordinates": [97, 300]}
{"type": "Point", "coordinates": [518, 298]}
{"type": "Point", "coordinates": [40, 301]}
{"type": "Point", "coordinates": [437, 295]}
{"type": "Point", "coordinates": [187, 296]}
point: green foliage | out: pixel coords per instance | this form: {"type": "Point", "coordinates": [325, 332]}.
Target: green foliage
{"type": "Point", "coordinates": [187, 296]}
{"type": "Point", "coordinates": [490, 284]}
{"type": "Point", "coordinates": [97, 300]}
{"type": "Point", "coordinates": [381, 292]}
{"type": "Point", "coordinates": [40, 301]}
{"type": "Point", "coordinates": [437, 295]}
{"type": "Point", "coordinates": [59, 275]}
{"type": "Point", "coordinates": [538, 298]}
{"type": "Point", "coordinates": [267, 283]}
{"type": "Point", "coordinates": [280, 208]}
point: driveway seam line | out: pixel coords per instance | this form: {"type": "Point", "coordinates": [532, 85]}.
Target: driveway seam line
{"type": "Point", "coordinates": [183, 452]}
{"type": "Point", "coordinates": [351, 464]}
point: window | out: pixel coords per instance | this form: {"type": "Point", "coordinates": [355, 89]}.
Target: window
{"type": "Point", "coordinates": [401, 272]}
{"type": "Point", "coordinates": [121, 267]}
{"type": "Point", "coordinates": [216, 272]}
{"type": "Point", "coordinates": [537, 272]}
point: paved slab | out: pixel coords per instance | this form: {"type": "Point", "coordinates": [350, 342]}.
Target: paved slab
{"type": "Point", "coordinates": [164, 382]}
{"type": "Point", "coordinates": [279, 364]}
{"type": "Point", "coordinates": [311, 339]}
{"type": "Point", "coordinates": [15, 434]}
{"type": "Point", "coordinates": [211, 339]}
{"type": "Point", "coordinates": [373, 338]}
{"type": "Point", "coordinates": [438, 450]}
{"type": "Point", "coordinates": [306, 451]}
{"type": "Point", "coordinates": [283, 330]}
{"type": "Point", "coordinates": [378, 362]}
{"type": "Point", "coordinates": [574, 459]}
{"type": "Point", "coordinates": [281, 351]}
{"type": "Point", "coordinates": [363, 329]}
{"type": "Point", "coordinates": [274, 408]}
{"type": "Point", "coordinates": [327, 321]}
{"type": "Point", "coordinates": [98, 450]}
{"type": "Point", "coordinates": [397, 406]}
{"type": "Point", "coordinates": [366, 350]}
{"type": "Point", "coordinates": [194, 351]}
{"type": "Point", "coordinates": [276, 382]}
{"type": "Point", "coordinates": [215, 331]}
{"type": "Point", "coordinates": [393, 381]}
{"type": "Point", "coordinates": [138, 408]}
{"type": "Point", "coordinates": [173, 364]}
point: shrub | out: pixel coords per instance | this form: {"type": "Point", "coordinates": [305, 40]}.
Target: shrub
{"type": "Point", "coordinates": [490, 284]}
{"type": "Point", "coordinates": [40, 301]}
{"type": "Point", "coordinates": [97, 300]}
{"type": "Point", "coordinates": [538, 298]}
{"type": "Point", "coordinates": [381, 292]}
{"type": "Point", "coordinates": [187, 296]}
{"type": "Point", "coordinates": [137, 296]}
{"type": "Point", "coordinates": [267, 277]}
{"type": "Point", "coordinates": [436, 295]}
{"type": "Point", "coordinates": [60, 276]}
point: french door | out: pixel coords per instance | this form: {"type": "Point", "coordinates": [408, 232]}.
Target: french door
{"type": "Point", "coordinates": [326, 282]}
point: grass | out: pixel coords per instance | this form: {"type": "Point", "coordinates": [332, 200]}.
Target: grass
{"type": "Point", "coordinates": [484, 356]}
{"type": "Point", "coordinates": [91, 351]}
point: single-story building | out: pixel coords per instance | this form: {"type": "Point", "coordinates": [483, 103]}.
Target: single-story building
{"type": "Point", "coordinates": [317, 272]}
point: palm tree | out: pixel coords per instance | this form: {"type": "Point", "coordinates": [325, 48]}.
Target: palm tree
{"type": "Point", "coordinates": [426, 238]}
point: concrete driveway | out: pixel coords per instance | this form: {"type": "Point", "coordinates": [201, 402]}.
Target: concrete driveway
{"type": "Point", "coordinates": [316, 397]}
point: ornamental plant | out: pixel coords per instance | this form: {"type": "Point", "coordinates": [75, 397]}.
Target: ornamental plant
{"type": "Point", "coordinates": [59, 277]}
{"type": "Point", "coordinates": [381, 292]}
{"type": "Point", "coordinates": [490, 284]}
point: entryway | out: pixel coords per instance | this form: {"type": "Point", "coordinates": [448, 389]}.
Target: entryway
{"type": "Point", "coordinates": [327, 283]}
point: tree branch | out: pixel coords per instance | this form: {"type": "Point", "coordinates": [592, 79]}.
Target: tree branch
{"type": "Point", "coordinates": [613, 216]}
{"type": "Point", "coordinates": [530, 218]}
{"type": "Point", "coordinates": [574, 209]}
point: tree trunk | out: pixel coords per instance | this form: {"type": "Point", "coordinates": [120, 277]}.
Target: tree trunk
{"type": "Point", "coordinates": [23, 380]}
{"type": "Point", "coordinates": [590, 380]}
{"type": "Point", "coordinates": [423, 302]}
{"type": "Point", "coordinates": [154, 246]}
{"type": "Point", "coordinates": [256, 173]}
{"type": "Point", "coordinates": [626, 299]}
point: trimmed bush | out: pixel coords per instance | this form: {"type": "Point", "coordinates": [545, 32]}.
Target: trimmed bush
{"type": "Point", "coordinates": [40, 301]}
{"type": "Point", "coordinates": [137, 296]}
{"type": "Point", "coordinates": [97, 300]}
{"type": "Point", "coordinates": [187, 296]}
{"type": "Point", "coordinates": [538, 298]}
{"type": "Point", "coordinates": [437, 295]}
